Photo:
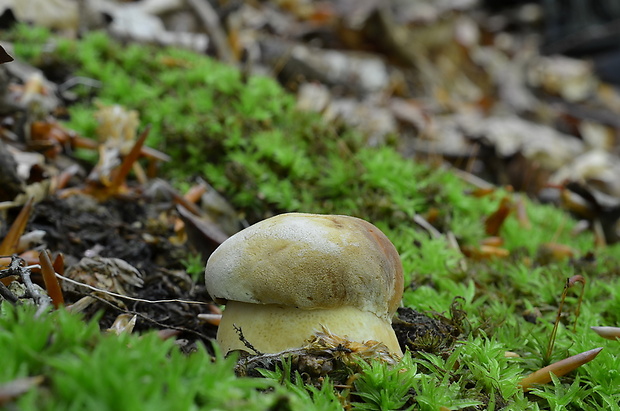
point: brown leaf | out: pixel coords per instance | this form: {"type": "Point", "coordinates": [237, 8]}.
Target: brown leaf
{"type": "Point", "coordinates": [49, 278]}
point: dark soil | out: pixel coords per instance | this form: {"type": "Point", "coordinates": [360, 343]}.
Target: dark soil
{"type": "Point", "coordinates": [137, 230]}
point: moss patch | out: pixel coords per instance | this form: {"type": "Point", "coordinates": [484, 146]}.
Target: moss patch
{"type": "Point", "coordinates": [246, 138]}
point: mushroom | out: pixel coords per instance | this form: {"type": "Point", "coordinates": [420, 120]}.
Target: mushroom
{"type": "Point", "coordinates": [291, 275]}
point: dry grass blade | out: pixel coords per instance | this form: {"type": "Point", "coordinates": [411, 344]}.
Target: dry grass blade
{"type": "Point", "coordinates": [559, 368]}
{"type": "Point", "coordinates": [611, 333]}
{"type": "Point", "coordinates": [49, 278]}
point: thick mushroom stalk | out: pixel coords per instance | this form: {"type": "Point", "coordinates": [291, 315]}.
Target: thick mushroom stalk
{"type": "Point", "coordinates": [289, 276]}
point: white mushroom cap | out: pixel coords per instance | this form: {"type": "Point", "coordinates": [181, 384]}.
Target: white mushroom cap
{"type": "Point", "coordinates": [309, 262]}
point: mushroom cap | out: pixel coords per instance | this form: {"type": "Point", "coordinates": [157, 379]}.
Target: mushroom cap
{"type": "Point", "coordinates": [309, 261]}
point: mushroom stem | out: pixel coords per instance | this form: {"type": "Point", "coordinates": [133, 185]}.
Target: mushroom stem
{"type": "Point", "coordinates": [272, 328]}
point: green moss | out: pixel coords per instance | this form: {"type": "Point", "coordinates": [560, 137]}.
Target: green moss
{"type": "Point", "coordinates": [247, 139]}
{"type": "Point", "coordinates": [85, 369]}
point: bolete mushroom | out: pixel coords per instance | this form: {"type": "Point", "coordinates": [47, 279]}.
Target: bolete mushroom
{"type": "Point", "coordinates": [289, 276]}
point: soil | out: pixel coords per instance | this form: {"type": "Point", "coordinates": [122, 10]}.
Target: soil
{"type": "Point", "coordinates": [135, 229]}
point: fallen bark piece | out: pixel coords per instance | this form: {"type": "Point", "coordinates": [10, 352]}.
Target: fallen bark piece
{"type": "Point", "coordinates": [559, 368]}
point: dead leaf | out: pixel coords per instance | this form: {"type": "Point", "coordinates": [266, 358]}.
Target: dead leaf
{"type": "Point", "coordinates": [111, 274]}
{"type": "Point", "coordinates": [559, 368]}
{"type": "Point", "coordinates": [48, 272]}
